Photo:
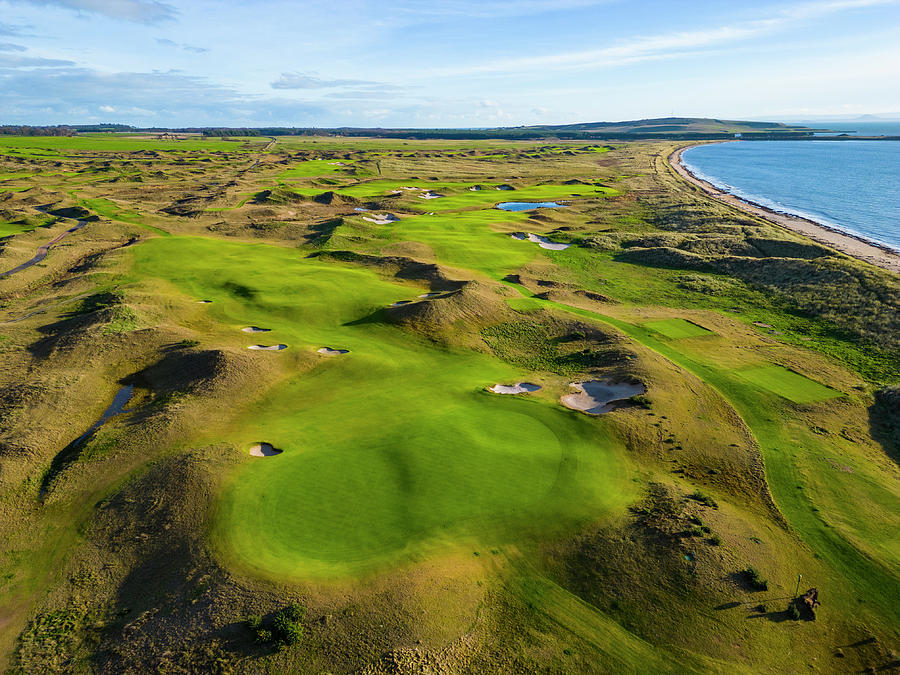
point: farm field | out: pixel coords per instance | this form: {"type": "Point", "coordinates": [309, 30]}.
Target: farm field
{"type": "Point", "coordinates": [308, 347]}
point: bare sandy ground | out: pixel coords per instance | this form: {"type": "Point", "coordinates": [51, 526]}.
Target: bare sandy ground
{"type": "Point", "coordinates": [328, 351]}
{"type": "Point", "coordinates": [264, 450]}
{"type": "Point", "coordinates": [596, 397]}
{"type": "Point", "coordinates": [845, 243]}
{"type": "Point", "coordinates": [517, 388]}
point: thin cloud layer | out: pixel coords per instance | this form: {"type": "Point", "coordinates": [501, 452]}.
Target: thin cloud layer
{"type": "Point", "coordinates": [138, 11]}
{"type": "Point", "coordinates": [309, 81]}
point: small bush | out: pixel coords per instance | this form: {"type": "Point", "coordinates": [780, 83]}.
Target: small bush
{"type": "Point", "coordinates": [793, 612]}
{"type": "Point", "coordinates": [285, 628]}
{"type": "Point", "coordinates": [755, 580]}
{"type": "Point", "coordinates": [703, 498]}
{"type": "Point", "coordinates": [185, 344]}
{"type": "Point", "coordinates": [715, 540]}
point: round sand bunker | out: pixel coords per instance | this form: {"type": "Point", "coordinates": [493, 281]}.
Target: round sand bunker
{"type": "Point", "coordinates": [264, 450]}
{"type": "Point", "coordinates": [518, 388]}
{"type": "Point", "coordinates": [596, 397]}
{"type": "Point", "coordinates": [269, 348]}
{"type": "Point", "coordinates": [328, 351]}
{"type": "Point", "coordinates": [255, 329]}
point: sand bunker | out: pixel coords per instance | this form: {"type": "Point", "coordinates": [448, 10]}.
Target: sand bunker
{"type": "Point", "coordinates": [400, 303]}
{"type": "Point", "coordinates": [264, 450]}
{"type": "Point", "coordinates": [328, 351]}
{"type": "Point", "coordinates": [270, 348]}
{"type": "Point", "coordinates": [255, 329]}
{"type": "Point", "coordinates": [505, 187]}
{"type": "Point", "coordinates": [382, 219]}
{"type": "Point", "coordinates": [518, 388]}
{"type": "Point", "coordinates": [596, 397]}
{"type": "Point", "coordinates": [543, 242]}
{"type": "Point", "coordinates": [204, 302]}
{"type": "Point", "coordinates": [360, 209]}
{"type": "Point", "coordinates": [429, 295]}
{"type": "Point", "coordinates": [430, 195]}
{"type": "Point", "coordinates": [475, 188]}
{"type": "Point", "coordinates": [409, 188]}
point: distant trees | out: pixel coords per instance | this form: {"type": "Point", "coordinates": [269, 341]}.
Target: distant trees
{"type": "Point", "coordinates": [26, 130]}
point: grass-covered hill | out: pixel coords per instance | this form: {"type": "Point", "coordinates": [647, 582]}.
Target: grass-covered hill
{"type": "Point", "coordinates": [249, 419]}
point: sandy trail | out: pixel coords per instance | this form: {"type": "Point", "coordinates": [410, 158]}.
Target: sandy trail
{"type": "Point", "coordinates": [854, 246]}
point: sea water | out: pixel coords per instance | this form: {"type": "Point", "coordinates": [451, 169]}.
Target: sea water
{"type": "Point", "coordinates": [853, 186]}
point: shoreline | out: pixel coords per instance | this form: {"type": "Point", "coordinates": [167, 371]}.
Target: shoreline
{"type": "Point", "coordinates": [853, 245]}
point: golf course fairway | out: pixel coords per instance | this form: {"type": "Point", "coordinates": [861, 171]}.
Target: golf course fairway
{"type": "Point", "coordinates": [392, 446]}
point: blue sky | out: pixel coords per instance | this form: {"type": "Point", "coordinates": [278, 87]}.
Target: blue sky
{"type": "Point", "coordinates": [458, 63]}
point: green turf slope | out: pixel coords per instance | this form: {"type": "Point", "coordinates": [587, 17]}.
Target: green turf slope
{"type": "Point", "coordinates": [390, 448]}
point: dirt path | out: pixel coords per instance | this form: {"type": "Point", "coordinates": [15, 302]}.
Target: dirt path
{"type": "Point", "coordinates": [44, 250]}
{"type": "Point", "coordinates": [845, 243]}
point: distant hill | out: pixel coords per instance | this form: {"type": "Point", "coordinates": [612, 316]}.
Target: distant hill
{"type": "Point", "coordinates": [674, 128]}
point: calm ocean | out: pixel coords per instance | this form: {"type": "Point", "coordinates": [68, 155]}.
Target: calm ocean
{"type": "Point", "coordinates": [850, 185]}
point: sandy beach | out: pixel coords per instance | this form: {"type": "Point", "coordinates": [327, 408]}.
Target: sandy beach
{"type": "Point", "coordinates": [845, 243]}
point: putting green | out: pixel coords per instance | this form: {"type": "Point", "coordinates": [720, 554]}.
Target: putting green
{"type": "Point", "coordinates": [677, 328]}
{"type": "Point", "coordinates": [390, 450]}
{"type": "Point", "coordinates": [792, 386]}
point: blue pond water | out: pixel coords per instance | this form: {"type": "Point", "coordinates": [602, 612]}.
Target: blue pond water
{"type": "Point", "coordinates": [527, 206]}
{"type": "Point", "coordinates": [852, 186]}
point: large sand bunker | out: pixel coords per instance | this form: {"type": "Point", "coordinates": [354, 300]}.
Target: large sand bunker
{"type": "Point", "coordinates": [328, 351]}
{"type": "Point", "coordinates": [430, 195]}
{"type": "Point", "coordinates": [270, 348]}
{"type": "Point", "coordinates": [518, 388]}
{"type": "Point", "coordinates": [384, 219]}
{"type": "Point", "coordinates": [543, 242]}
{"type": "Point", "coordinates": [255, 329]}
{"type": "Point", "coordinates": [264, 450]}
{"type": "Point", "coordinates": [596, 397]}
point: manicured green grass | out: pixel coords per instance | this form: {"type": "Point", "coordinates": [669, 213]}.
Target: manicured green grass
{"type": "Point", "coordinates": [109, 209]}
{"type": "Point", "coordinates": [117, 143]}
{"type": "Point", "coordinates": [677, 328]}
{"type": "Point", "coordinates": [312, 168]}
{"type": "Point", "coordinates": [860, 544]}
{"type": "Point", "coordinates": [7, 229]}
{"type": "Point", "coordinates": [792, 386]}
{"type": "Point", "coordinates": [390, 448]}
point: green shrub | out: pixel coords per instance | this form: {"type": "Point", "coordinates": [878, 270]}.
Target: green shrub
{"type": "Point", "coordinates": [715, 540]}
{"type": "Point", "coordinates": [755, 580]}
{"type": "Point", "coordinates": [703, 498]}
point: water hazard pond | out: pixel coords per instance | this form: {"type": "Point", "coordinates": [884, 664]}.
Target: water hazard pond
{"type": "Point", "coordinates": [527, 206]}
